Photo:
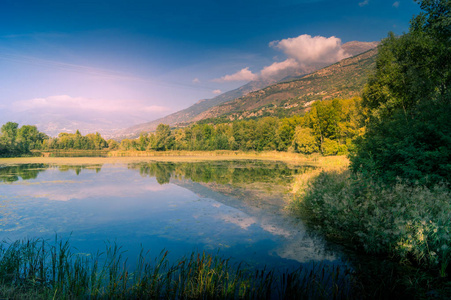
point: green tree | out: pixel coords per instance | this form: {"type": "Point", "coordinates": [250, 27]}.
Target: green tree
{"type": "Point", "coordinates": [285, 132]}
{"type": "Point", "coordinates": [164, 140]}
{"type": "Point", "coordinates": [143, 141]}
{"type": "Point", "coordinates": [9, 134]}
{"type": "Point", "coordinates": [304, 141]}
{"type": "Point", "coordinates": [112, 144]}
{"type": "Point", "coordinates": [408, 103]}
{"type": "Point", "coordinates": [8, 145]}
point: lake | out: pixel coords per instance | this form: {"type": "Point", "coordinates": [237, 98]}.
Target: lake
{"type": "Point", "coordinates": [236, 209]}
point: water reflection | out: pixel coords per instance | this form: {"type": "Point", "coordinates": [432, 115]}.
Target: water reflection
{"type": "Point", "coordinates": [238, 172]}
{"type": "Point", "coordinates": [9, 174]}
{"type": "Point", "coordinates": [24, 172]}
{"type": "Point", "coordinates": [237, 207]}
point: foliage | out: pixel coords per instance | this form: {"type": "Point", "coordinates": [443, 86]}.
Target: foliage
{"type": "Point", "coordinates": [304, 141]}
{"type": "Point", "coordinates": [76, 141]}
{"type": "Point", "coordinates": [408, 103]}
{"type": "Point", "coordinates": [334, 124]}
{"type": "Point", "coordinates": [39, 269]}
{"type": "Point", "coordinates": [329, 128]}
{"type": "Point", "coordinates": [411, 222]}
{"type": "Point", "coordinates": [15, 141]}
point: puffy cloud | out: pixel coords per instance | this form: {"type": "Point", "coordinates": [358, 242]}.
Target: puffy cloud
{"type": "Point", "coordinates": [311, 51]}
{"type": "Point", "coordinates": [196, 80]}
{"type": "Point", "coordinates": [304, 54]}
{"type": "Point", "coordinates": [364, 3]}
{"type": "Point", "coordinates": [278, 67]}
{"type": "Point", "coordinates": [242, 75]}
{"type": "Point", "coordinates": [396, 4]}
{"type": "Point", "coordinates": [217, 92]}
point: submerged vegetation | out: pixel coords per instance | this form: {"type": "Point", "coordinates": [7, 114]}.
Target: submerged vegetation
{"type": "Point", "coordinates": [38, 269]}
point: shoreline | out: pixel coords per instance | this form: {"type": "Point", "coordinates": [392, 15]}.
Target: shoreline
{"type": "Point", "coordinates": [184, 156]}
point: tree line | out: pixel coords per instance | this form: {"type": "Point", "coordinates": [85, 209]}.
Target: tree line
{"type": "Point", "coordinates": [17, 141]}
{"type": "Point", "coordinates": [329, 127]}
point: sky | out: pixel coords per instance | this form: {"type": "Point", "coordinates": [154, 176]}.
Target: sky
{"type": "Point", "coordinates": [136, 60]}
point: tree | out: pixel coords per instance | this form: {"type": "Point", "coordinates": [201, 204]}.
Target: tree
{"type": "Point", "coordinates": [112, 144]}
{"type": "Point", "coordinates": [285, 132]}
{"type": "Point", "coordinates": [163, 138]}
{"type": "Point", "coordinates": [9, 134]}
{"type": "Point", "coordinates": [408, 103]}
{"type": "Point", "coordinates": [143, 141]}
{"type": "Point", "coordinates": [304, 141]}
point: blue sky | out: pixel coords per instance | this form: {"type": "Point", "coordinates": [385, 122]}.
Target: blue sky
{"type": "Point", "coordinates": [146, 59]}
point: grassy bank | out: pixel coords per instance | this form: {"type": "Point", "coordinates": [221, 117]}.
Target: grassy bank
{"type": "Point", "coordinates": [186, 156]}
{"type": "Point", "coordinates": [409, 224]}
{"type": "Point", "coordinates": [38, 269]}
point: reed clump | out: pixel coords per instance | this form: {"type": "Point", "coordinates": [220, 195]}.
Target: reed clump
{"type": "Point", "coordinates": [40, 269]}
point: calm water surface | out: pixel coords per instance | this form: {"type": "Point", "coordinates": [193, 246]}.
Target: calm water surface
{"type": "Point", "coordinates": [236, 208]}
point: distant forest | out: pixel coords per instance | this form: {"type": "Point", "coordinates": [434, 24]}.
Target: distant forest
{"type": "Point", "coordinates": [329, 127]}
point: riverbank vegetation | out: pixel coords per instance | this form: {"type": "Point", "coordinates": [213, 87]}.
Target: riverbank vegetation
{"type": "Point", "coordinates": [40, 269]}
{"type": "Point", "coordinates": [395, 200]}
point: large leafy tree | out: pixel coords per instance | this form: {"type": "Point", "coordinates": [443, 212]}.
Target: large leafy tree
{"type": "Point", "coordinates": [408, 103]}
{"type": "Point", "coordinates": [163, 138]}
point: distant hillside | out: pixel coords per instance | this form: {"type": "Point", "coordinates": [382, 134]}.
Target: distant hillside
{"type": "Point", "coordinates": [344, 79]}
{"type": "Point", "coordinates": [191, 112]}
{"type": "Point", "coordinates": [208, 108]}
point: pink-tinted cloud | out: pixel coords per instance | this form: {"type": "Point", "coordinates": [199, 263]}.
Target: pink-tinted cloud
{"type": "Point", "coordinates": [65, 103]}
{"type": "Point", "coordinates": [217, 92]}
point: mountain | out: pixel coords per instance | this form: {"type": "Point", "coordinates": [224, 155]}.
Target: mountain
{"type": "Point", "coordinates": [204, 108]}
{"type": "Point", "coordinates": [188, 114]}
{"type": "Point", "coordinates": [344, 79]}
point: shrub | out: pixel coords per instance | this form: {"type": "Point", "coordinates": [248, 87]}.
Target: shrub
{"type": "Point", "coordinates": [411, 222]}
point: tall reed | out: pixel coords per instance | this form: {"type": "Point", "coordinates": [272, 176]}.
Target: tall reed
{"type": "Point", "coordinates": [40, 269]}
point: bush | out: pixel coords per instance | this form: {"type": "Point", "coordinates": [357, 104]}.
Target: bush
{"type": "Point", "coordinates": [411, 222]}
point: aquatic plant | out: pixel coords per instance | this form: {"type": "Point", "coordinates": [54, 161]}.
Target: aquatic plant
{"type": "Point", "coordinates": [41, 269]}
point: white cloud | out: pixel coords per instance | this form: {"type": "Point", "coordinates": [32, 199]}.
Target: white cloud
{"type": "Point", "coordinates": [311, 51]}
{"type": "Point", "coordinates": [364, 3]}
{"type": "Point", "coordinates": [242, 75]}
{"type": "Point", "coordinates": [278, 67]}
{"type": "Point", "coordinates": [196, 80]}
{"type": "Point", "coordinates": [396, 4]}
{"type": "Point", "coordinates": [217, 92]}
{"type": "Point", "coordinates": [304, 54]}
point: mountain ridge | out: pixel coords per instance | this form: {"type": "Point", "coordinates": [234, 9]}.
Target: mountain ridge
{"type": "Point", "coordinates": [295, 96]}
{"type": "Point", "coordinates": [195, 111]}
